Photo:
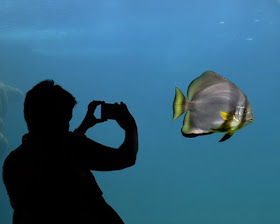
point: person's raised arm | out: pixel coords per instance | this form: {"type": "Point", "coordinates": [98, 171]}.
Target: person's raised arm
{"type": "Point", "coordinates": [103, 158]}
{"type": "Point", "coordinates": [128, 124]}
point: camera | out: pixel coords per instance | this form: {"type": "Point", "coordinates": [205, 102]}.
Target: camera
{"type": "Point", "coordinates": [109, 111]}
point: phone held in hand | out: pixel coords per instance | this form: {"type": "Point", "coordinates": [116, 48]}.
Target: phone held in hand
{"type": "Point", "coordinates": [108, 111]}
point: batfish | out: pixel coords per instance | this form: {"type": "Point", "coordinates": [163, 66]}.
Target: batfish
{"type": "Point", "coordinates": [214, 104]}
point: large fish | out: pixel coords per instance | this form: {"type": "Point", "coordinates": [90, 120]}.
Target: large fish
{"type": "Point", "coordinates": [214, 104]}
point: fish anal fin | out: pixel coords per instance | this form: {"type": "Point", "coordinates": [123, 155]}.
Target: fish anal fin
{"type": "Point", "coordinates": [226, 116]}
{"type": "Point", "coordinates": [226, 136]}
{"type": "Point", "coordinates": [179, 104]}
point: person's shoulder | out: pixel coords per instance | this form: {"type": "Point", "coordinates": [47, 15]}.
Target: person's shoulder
{"type": "Point", "coordinates": [14, 155]}
{"type": "Point", "coordinates": [12, 160]}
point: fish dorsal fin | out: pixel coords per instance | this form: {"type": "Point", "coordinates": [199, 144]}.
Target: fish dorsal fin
{"type": "Point", "coordinates": [201, 82]}
{"type": "Point", "coordinates": [226, 116]}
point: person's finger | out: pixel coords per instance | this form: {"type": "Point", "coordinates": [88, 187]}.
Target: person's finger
{"type": "Point", "coordinates": [93, 104]}
{"type": "Point", "coordinates": [123, 107]}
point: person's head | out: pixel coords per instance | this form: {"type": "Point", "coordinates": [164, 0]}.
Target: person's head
{"type": "Point", "coordinates": [48, 108]}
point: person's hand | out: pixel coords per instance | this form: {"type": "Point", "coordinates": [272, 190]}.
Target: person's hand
{"type": "Point", "coordinates": [90, 120]}
{"type": "Point", "coordinates": [124, 118]}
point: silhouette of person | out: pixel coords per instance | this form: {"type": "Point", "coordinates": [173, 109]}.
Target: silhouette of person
{"type": "Point", "coordinates": [7, 94]}
{"type": "Point", "coordinates": [48, 177]}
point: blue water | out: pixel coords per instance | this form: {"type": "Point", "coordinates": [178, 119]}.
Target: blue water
{"type": "Point", "coordinates": [138, 52]}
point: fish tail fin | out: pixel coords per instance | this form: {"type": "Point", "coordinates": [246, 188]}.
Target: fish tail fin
{"type": "Point", "coordinates": [180, 104]}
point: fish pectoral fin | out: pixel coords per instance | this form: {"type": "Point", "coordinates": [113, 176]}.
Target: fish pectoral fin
{"type": "Point", "coordinates": [179, 104]}
{"type": "Point", "coordinates": [226, 136]}
{"type": "Point", "coordinates": [226, 116]}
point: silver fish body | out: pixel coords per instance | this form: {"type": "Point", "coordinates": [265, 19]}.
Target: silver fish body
{"type": "Point", "coordinates": [214, 104]}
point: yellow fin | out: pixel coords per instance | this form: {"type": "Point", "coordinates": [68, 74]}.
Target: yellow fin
{"type": "Point", "coordinates": [179, 104]}
{"type": "Point", "coordinates": [226, 116]}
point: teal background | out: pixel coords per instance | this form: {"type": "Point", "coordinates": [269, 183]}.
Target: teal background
{"type": "Point", "coordinates": [138, 52]}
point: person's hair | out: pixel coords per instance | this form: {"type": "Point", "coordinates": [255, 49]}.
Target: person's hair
{"type": "Point", "coordinates": [46, 105]}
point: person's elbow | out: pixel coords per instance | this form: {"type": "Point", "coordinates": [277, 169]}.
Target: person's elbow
{"type": "Point", "coordinates": [128, 157]}
{"type": "Point", "coordinates": [130, 162]}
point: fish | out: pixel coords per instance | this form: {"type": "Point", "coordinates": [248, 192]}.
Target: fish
{"type": "Point", "coordinates": [213, 105]}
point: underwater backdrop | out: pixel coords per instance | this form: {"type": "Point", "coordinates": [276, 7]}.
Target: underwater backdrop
{"type": "Point", "coordinates": [138, 52]}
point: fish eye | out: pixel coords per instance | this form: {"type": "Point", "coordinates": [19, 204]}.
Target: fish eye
{"type": "Point", "coordinates": [245, 111]}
